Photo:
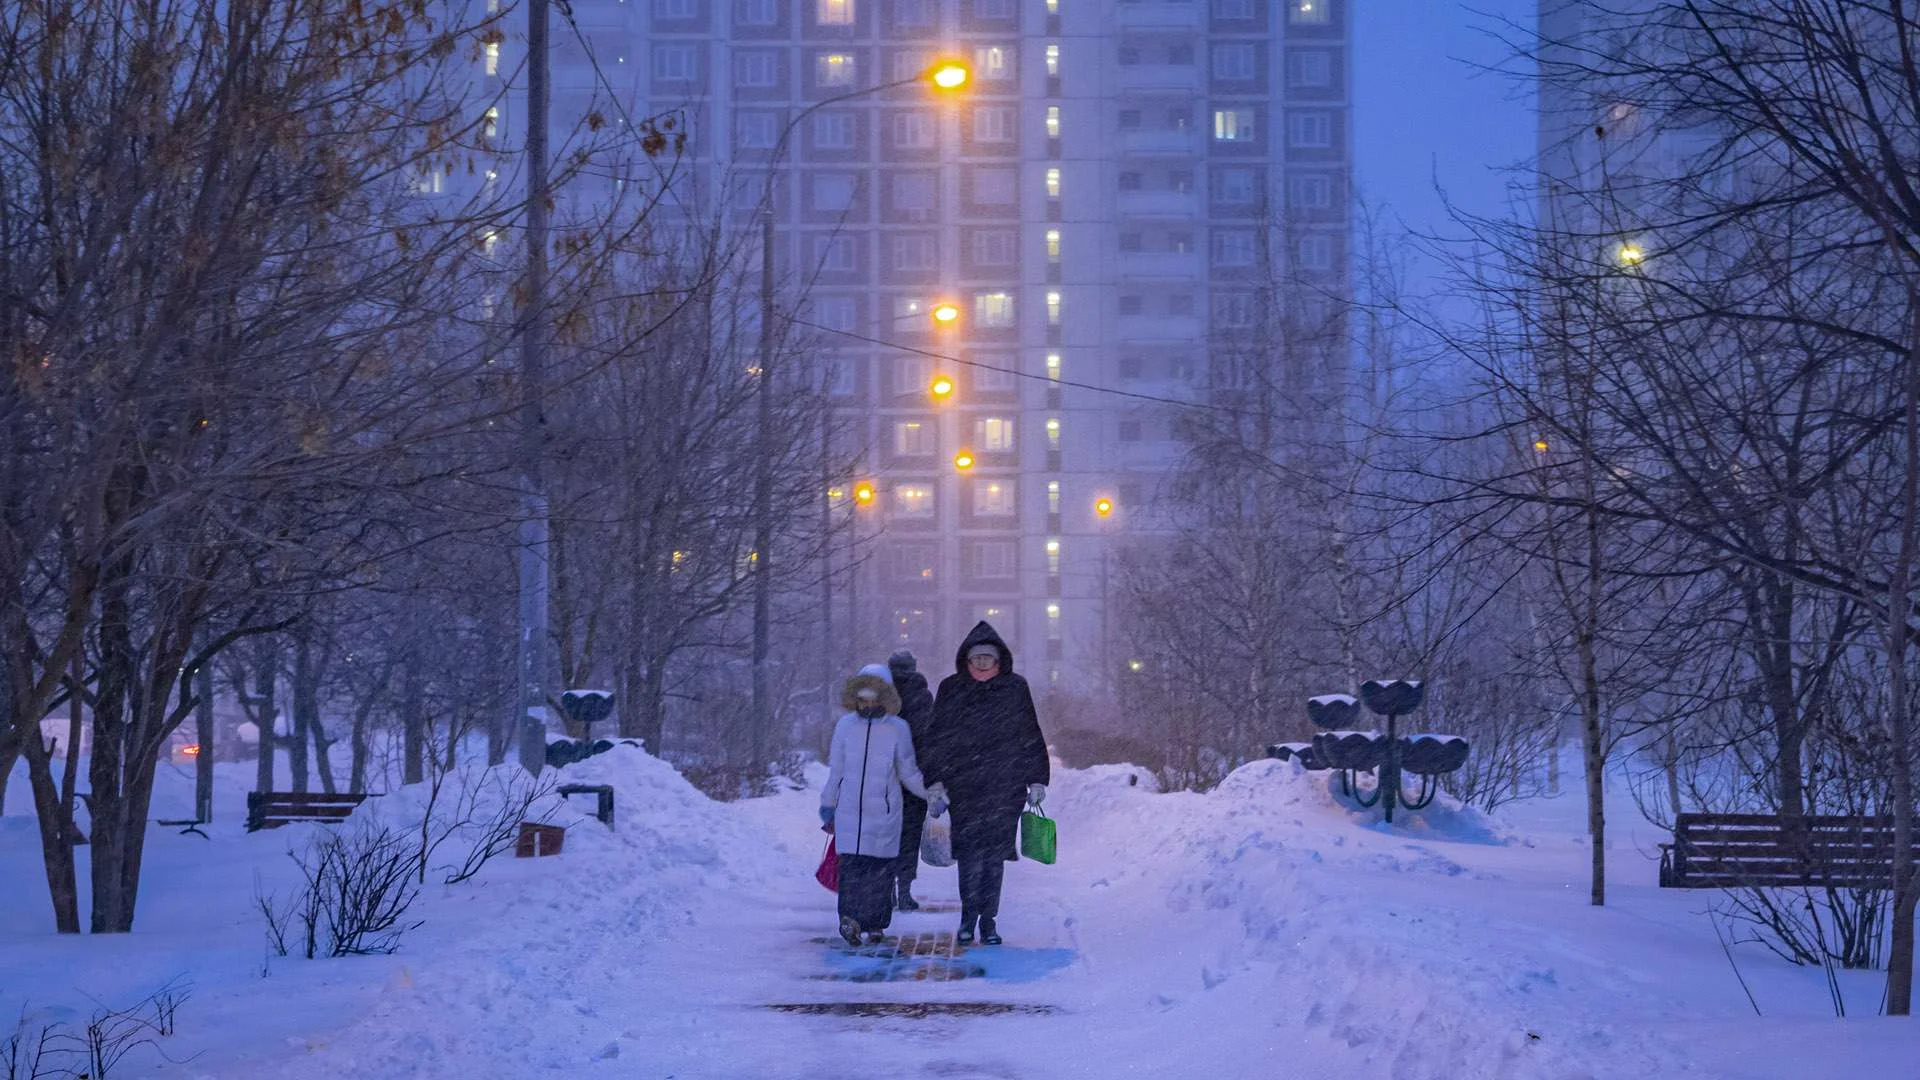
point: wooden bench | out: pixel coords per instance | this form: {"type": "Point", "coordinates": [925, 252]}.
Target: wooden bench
{"type": "Point", "coordinates": [1730, 851]}
{"type": "Point", "coordinates": [272, 809]}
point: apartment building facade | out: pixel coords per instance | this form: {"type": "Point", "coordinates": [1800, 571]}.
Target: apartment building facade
{"type": "Point", "coordinates": [1104, 203]}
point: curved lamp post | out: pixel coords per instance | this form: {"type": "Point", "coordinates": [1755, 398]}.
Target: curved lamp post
{"type": "Point", "coordinates": [944, 76]}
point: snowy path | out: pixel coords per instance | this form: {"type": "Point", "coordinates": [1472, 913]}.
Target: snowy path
{"type": "Point", "coordinates": [1261, 930]}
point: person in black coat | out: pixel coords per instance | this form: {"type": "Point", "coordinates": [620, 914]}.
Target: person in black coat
{"type": "Point", "coordinates": [916, 708]}
{"type": "Point", "coordinates": [987, 751]}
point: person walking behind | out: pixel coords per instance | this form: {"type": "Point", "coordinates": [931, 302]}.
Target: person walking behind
{"type": "Point", "coordinates": [987, 751]}
{"type": "Point", "coordinates": [870, 760]}
{"type": "Point", "coordinates": [916, 708]}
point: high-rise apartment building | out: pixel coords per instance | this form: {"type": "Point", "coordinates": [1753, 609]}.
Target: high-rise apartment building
{"type": "Point", "coordinates": [1105, 202]}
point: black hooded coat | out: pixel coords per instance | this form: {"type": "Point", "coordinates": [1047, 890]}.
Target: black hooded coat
{"type": "Point", "coordinates": [986, 747]}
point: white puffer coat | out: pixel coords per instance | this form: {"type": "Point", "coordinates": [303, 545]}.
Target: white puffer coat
{"type": "Point", "coordinates": [867, 765]}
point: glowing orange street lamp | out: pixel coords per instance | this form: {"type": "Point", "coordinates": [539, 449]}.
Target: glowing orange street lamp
{"type": "Point", "coordinates": [863, 493]}
{"type": "Point", "coordinates": [946, 312]}
{"type": "Point", "coordinates": [963, 460]}
{"type": "Point", "coordinates": [948, 75]}
{"type": "Point", "coordinates": [942, 386]}
{"type": "Point", "coordinates": [1103, 507]}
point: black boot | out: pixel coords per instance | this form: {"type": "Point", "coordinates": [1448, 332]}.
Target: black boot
{"type": "Point", "coordinates": [850, 929]}
{"type": "Point", "coordinates": [906, 902]}
{"type": "Point", "coordinates": [989, 934]}
{"type": "Point", "coordinates": [965, 936]}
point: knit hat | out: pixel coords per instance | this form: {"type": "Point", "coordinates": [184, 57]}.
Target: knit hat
{"type": "Point", "coordinates": [902, 662]}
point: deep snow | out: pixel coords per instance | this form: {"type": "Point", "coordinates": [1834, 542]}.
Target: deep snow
{"type": "Point", "coordinates": [1264, 929]}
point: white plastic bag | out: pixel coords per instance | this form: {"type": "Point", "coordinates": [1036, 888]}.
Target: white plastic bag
{"type": "Point", "coordinates": [936, 843]}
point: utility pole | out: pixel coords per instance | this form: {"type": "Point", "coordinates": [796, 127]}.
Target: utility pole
{"type": "Point", "coordinates": [762, 719]}
{"type": "Point", "coordinates": [533, 368]}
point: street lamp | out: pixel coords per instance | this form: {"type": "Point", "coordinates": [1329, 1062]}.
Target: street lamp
{"type": "Point", "coordinates": [941, 388]}
{"type": "Point", "coordinates": [945, 313]}
{"type": "Point", "coordinates": [944, 76]}
{"type": "Point", "coordinates": [963, 460]}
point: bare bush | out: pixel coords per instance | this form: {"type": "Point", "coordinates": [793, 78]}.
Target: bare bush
{"type": "Point", "coordinates": [494, 833]}
{"type": "Point", "coordinates": [56, 1052]}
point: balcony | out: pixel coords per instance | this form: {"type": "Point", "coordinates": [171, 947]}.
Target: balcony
{"type": "Point", "coordinates": [1160, 14]}
{"type": "Point", "coordinates": [1160, 266]}
{"type": "Point", "coordinates": [1159, 205]}
{"type": "Point", "coordinates": [1160, 143]}
{"type": "Point", "coordinates": [1161, 78]}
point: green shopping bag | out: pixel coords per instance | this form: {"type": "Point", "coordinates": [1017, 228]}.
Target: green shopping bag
{"type": "Point", "coordinates": [1036, 836]}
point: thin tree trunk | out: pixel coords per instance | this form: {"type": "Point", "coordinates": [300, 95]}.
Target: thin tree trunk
{"type": "Point", "coordinates": [413, 723]}
{"type": "Point", "coordinates": [266, 713]}
{"type": "Point", "coordinates": [204, 735]}
{"type": "Point", "coordinates": [1906, 890]}
{"type": "Point", "coordinates": [304, 701]}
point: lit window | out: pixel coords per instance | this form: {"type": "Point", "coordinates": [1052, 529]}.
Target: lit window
{"type": "Point", "coordinates": [1053, 61]}
{"type": "Point", "coordinates": [1053, 309]}
{"type": "Point", "coordinates": [914, 562]}
{"type": "Point", "coordinates": [1053, 496]}
{"type": "Point", "coordinates": [994, 309]}
{"type": "Point", "coordinates": [993, 498]}
{"type": "Point", "coordinates": [911, 437]}
{"type": "Point", "coordinates": [1053, 183]}
{"type": "Point", "coordinates": [1233, 125]}
{"type": "Point", "coordinates": [1053, 121]}
{"type": "Point", "coordinates": [1053, 556]}
{"type": "Point", "coordinates": [993, 433]}
{"type": "Point", "coordinates": [1053, 7]}
{"type": "Point", "coordinates": [1310, 130]}
{"type": "Point", "coordinates": [1053, 366]}
{"type": "Point", "coordinates": [492, 125]}
{"type": "Point", "coordinates": [1307, 12]}
{"type": "Point", "coordinates": [991, 62]}
{"type": "Point", "coordinates": [1053, 622]}
{"type": "Point", "coordinates": [1053, 245]}
{"type": "Point", "coordinates": [834, 69]}
{"type": "Point", "coordinates": [834, 12]}
{"type": "Point", "coordinates": [913, 501]}
{"type": "Point", "coordinates": [1053, 433]}
{"type": "Point", "coordinates": [493, 58]}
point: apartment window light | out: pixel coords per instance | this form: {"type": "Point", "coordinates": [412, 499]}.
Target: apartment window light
{"type": "Point", "coordinates": [991, 62]}
{"type": "Point", "coordinates": [1053, 121]}
{"type": "Point", "coordinates": [833, 12]}
{"type": "Point", "coordinates": [1053, 433]}
{"type": "Point", "coordinates": [994, 433]}
{"type": "Point", "coordinates": [993, 309]}
{"type": "Point", "coordinates": [493, 58]}
{"type": "Point", "coordinates": [1053, 496]}
{"type": "Point", "coordinates": [1053, 366]}
{"type": "Point", "coordinates": [492, 125]}
{"type": "Point", "coordinates": [1053, 245]}
{"type": "Point", "coordinates": [913, 500]}
{"type": "Point", "coordinates": [1053, 183]}
{"type": "Point", "coordinates": [834, 69]}
{"type": "Point", "coordinates": [1053, 308]}
{"type": "Point", "coordinates": [1053, 61]}
{"type": "Point", "coordinates": [1308, 12]}
{"type": "Point", "coordinates": [1233, 125]}
{"type": "Point", "coordinates": [1053, 556]}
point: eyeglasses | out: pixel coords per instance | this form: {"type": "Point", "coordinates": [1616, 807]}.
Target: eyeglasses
{"type": "Point", "coordinates": [983, 660]}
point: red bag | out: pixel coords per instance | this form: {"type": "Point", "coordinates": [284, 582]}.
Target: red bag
{"type": "Point", "coordinates": [829, 872]}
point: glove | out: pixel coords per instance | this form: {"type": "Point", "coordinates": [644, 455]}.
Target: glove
{"type": "Point", "coordinates": [826, 815]}
{"type": "Point", "coordinates": [1036, 794]}
{"type": "Point", "coordinates": [937, 807]}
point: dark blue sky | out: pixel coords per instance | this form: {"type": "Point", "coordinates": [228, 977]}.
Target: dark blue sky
{"type": "Point", "coordinates": [1424, 114]}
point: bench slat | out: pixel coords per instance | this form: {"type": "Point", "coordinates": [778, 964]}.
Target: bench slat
{"type": "Point", "coordinates": [1744, 850]}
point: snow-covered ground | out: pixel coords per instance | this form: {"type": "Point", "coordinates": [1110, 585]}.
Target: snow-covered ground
{"type": "Point", "coordinates": [1260, 930]}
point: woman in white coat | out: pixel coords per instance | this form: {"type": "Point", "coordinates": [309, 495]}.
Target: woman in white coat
{"type": "Point", "coordinates": [870, 760]}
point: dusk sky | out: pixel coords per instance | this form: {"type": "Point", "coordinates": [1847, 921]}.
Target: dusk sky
{"type": "Point", "coordinates": [1426, 114]}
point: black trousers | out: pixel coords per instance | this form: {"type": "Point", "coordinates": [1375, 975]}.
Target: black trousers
{"type": "Point", "coordinates": [912, 822]}
{"type": "Point", "coordinates": [866, 890]}
{"type": "Point", "coordinates": [980, 881]}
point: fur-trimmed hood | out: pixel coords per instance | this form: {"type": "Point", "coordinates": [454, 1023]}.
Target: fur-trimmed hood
{"type": "Point", "coordinates": [866, 689]}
